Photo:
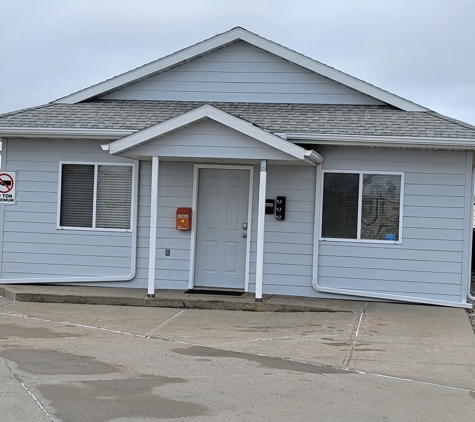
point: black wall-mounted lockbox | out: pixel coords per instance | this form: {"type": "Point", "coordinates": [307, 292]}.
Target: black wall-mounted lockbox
{"type": "Point", "coordinates": [269, 206]}
{"type": "Point", "coordinates": [280, 208]}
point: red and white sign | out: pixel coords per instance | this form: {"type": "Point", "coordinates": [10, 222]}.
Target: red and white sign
{"type": "Point", "coordinates": [7, 187]}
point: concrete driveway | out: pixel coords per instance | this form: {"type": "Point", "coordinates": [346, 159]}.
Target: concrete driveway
{"type": "Point", "coordinates": [370, 362]}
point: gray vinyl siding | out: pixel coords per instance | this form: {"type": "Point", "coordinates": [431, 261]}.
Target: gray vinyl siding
{"type": "Point", "coordinates": [32, 245]}
{"type": "Point", "coordinates": [288, 244]}
{"type": "Point", "coordinates": [241, 73]}
{"type": "Point", "coordinates": [209, 139]}
{"type": "Point", "coordinates": [175, 189]}
{"type": "Point", "coordinates": [428, 263]}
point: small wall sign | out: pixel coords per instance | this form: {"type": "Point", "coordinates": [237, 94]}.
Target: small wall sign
{"type": "Point", "coordinates": [7, 187]}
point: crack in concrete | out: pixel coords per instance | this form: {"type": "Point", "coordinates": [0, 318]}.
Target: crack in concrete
{"type": "Point", "coordinates": [353, 338]}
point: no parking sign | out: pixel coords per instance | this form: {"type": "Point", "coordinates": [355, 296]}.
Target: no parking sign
{"type": "Point", "coordinates": [7, 187]}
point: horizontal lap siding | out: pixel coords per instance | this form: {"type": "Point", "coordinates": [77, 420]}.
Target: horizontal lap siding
{"type": "Point", "coordinates": [209, 139]}
{"type": "Point", "coordinates": [288, 244]}
{"type": "Point", "coordinates": [244, 73]}
{"type": "Point", "coordinates": [33, 247]}
{"type": "Point", "coordinates": [175, 190]}
{"type": "Point", "coordinates": [428, 263]}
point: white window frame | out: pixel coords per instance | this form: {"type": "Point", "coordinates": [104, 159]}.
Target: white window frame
{"type": "Point", "coordinates": [360, 202]}
{"type": "Point", "coordinates": [96, 166]}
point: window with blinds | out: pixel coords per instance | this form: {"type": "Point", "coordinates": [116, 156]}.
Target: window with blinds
{"type": "Point", "coordinates": [361, 206]}
{"type": "Point", "coordinates": [96, 196]}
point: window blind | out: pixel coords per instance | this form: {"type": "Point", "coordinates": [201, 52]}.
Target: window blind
{"type": "Point", "coordinates": [340, 205]}
{"type": "Point", "coordinates": [77, 195]}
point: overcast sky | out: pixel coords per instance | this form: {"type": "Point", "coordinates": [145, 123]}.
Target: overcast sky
{"type": "Point", "coordinates": [422, 50]}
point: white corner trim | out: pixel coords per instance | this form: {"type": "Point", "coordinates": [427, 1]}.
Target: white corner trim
{"type": "Point", "coordinates": [380, 141]}
{"type": "Point", "coordinates": [40, 132]}
{"type": "Point", "coordinates": [210, 112]}
{"type": "Point", "coordinates": [230, 37]}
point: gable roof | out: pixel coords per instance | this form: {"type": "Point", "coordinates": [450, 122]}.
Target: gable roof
{"type": "Point", "coordinates": [209, 112]}
{"type": "Point", "coordinates": [227, 38]}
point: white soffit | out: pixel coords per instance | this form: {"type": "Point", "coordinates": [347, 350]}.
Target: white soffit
{"type": "Point", "coordinates": [230, 37]}
{"type": "Point", "coordinates": [210, 112]}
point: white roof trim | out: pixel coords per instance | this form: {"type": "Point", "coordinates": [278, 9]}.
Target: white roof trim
{"type": "Point", "coordinates": [219, 116]}
{"type": "Point", "coordinates": [40, 132]}
{"type": "Point", "coordinates": [380, 141]}
{"type": "Point", "coordinates": [230, 37]}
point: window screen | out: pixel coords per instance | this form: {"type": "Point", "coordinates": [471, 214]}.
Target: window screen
{"type": "Point", "coordinates": [340, 205]}
{"type": "Point", "coordinates": [111, 207]}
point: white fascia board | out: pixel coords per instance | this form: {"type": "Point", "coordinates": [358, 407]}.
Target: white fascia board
{"type": "Point", "coordinates": [382, 141]}
{"type": "Point", "coordinates": [35, 132]}
{"type": "Point", "coordinates": [219, 116]}
{"type": "Point", "coordinates": [230, 37]}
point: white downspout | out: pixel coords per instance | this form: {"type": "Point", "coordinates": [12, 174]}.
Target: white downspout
{"type": "Point", "coordinates": [153, 228]}
{"type": "Point", "coordinates": [260, 230]}
{"type": "Point", "coordinates": [469, 294]}
{"type": "Point", "coordinates": [358, 293]}
{"type": "Point", "coordinates": [133, 255]}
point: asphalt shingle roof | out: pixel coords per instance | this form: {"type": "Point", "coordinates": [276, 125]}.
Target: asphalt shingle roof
{"type": "Point", "coordinates": [275, 118]}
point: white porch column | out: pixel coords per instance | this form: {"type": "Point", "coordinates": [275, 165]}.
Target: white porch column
{"type": "Point", "coordinates": [153, 228]}
{"type": "Point", "coordinates": [260, 229]}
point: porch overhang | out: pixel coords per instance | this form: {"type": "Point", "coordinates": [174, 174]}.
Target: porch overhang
{"type": "Point", "coordinates": [292, 153]}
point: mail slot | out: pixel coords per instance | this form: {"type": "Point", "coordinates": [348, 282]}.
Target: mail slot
{"type": "Point", "coordinates": [183, 219]}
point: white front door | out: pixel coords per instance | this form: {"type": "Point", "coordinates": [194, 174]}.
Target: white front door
{"type": "Point", "coordinates": [221, 235]}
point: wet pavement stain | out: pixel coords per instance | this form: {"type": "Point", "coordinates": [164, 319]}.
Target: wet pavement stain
{"type": "Point", "coordinates": [8, 331]}
{"type": "Point", "coordinates": [51, 362]}
{"type": "Point", "coordinates": [102, 400]}
{"type": "Point", "coordinates": [472, 394]}
{"type": "Point", "coordinates": [265, 361]}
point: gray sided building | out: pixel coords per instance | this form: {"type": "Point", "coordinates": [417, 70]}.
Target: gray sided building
{"type": "Point", "coordinates": [240, 164]}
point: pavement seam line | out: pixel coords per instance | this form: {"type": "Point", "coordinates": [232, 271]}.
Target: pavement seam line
{"type": "Point", "coordinates": [17, 377]}
{"type": "Point", "coordinates": [346, 362]}
{"type": "Point", "coordinates": [164, 323]}
{"type": "Point", "coordinates": [218, 348]}
{"type": "Point", "coordinates": [433, 384]}
{"type": "Point", "coordinates": [74, 324]}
